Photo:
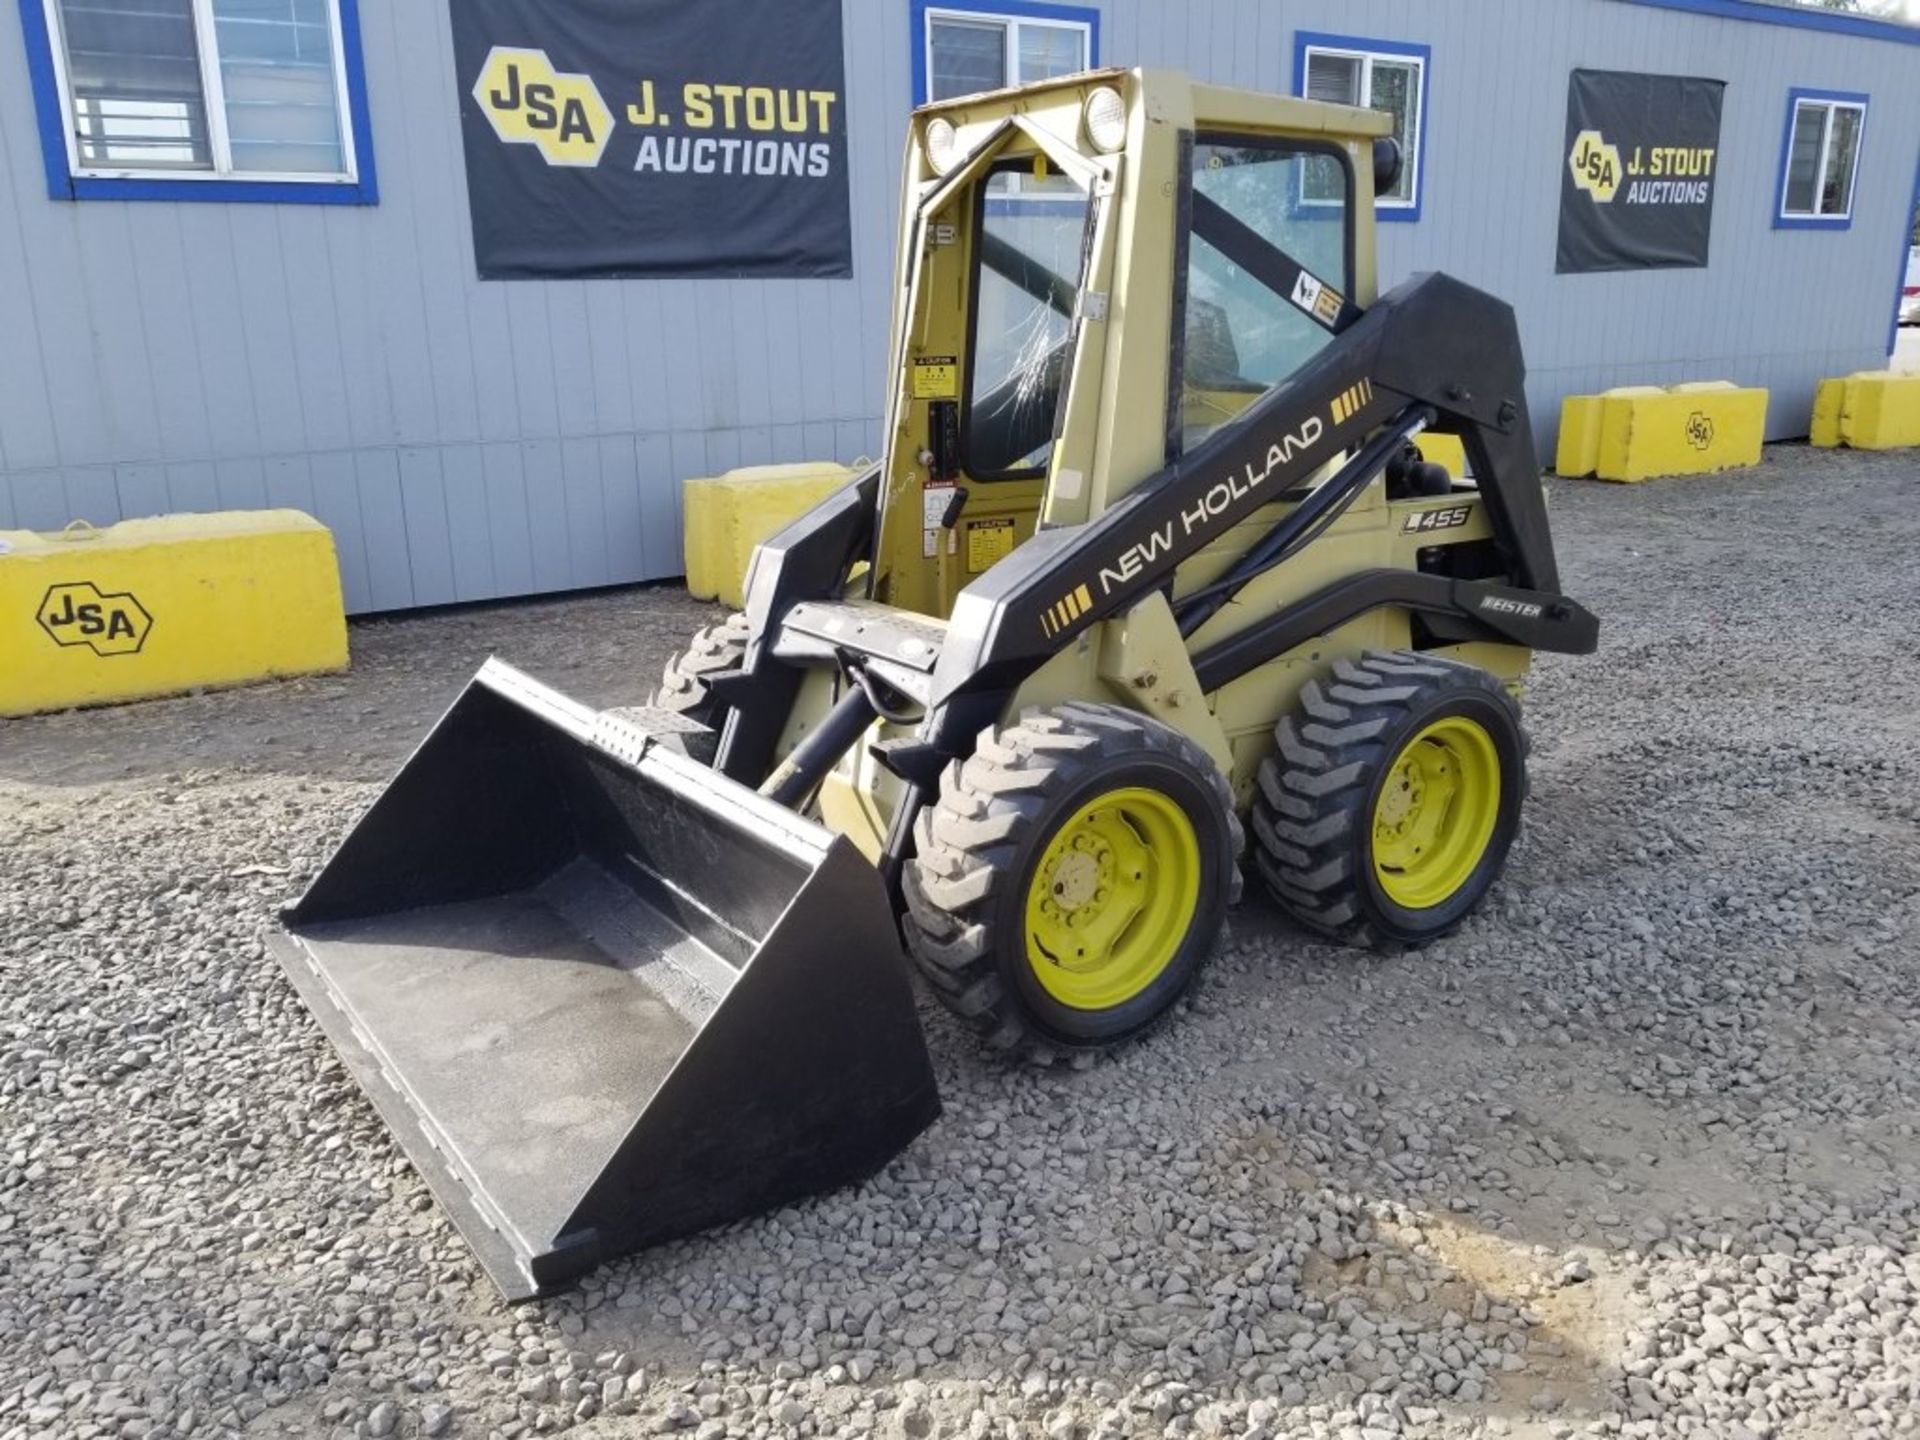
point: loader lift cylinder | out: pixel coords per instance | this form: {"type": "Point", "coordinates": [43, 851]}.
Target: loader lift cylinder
{"type": "Point", "coordinates": [795, 777]}
{"type": "Point", "coordinates": [1289, 532]}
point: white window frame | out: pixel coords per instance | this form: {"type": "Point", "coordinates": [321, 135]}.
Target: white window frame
{"type": "Point", "coordinates": [1010, 27]}
{"type": "Point", "coordinates": [213, 88]}
{"type": "Point", "coordinates": [1828, 104]}
{"type": "Point", "coordinates": [1410, 158]}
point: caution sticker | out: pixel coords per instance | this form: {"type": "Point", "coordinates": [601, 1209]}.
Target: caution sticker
{"type": "Point", "coordinates": [1317, 298]}
{"type": "Point", "coordinates": [988, 541]}
{"type": "Point", "coordinates": [935, 496]}
{"type": "Point", "coordinates": [936, 377]}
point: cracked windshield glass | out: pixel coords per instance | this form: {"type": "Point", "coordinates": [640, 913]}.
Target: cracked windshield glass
{"type": "Point", "coordinates": [1028, 263]}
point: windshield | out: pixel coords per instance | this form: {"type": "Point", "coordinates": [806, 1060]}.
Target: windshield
{"type": "Point", "coordinates": [1267, 273]}
{"type": "Point", "coordinates": [1028, 255]}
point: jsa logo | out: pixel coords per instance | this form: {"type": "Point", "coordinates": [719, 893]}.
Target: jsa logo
{"type": "Point", "coordinates": [1596, 165]}
{"type": "Point", "coordinates": [528, 102]}
{"type": "Point", "coordinates": [107, 624]}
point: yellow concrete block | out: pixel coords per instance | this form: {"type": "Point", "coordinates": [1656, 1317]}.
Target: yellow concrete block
{"type": "Point", "coordinates": [1443, 450]}
{"type": "Point", "coordinates": [1578, 450]}
{"type": "Point", "coordinates": [1692, 429]}
{"type": "Point", "coordinates": [1827, 401]}
{"type": "Point", "coordinates": [702, 535]}
{"type": "Point", "coordinates": [724, 517]}
{"type": "Point", "coordinates": [1881, 411]}
{"type": "Point", "coordinates": [154, 607]}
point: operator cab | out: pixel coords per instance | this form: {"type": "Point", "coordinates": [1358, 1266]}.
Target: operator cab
{"type": "Point", "coordinates": [1014, 276]}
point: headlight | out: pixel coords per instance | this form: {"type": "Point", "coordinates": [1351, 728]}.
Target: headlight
{"type": "Point", "coordinates": [1106, 119]}
{"type": "Point", "coordinates": [942, 144]}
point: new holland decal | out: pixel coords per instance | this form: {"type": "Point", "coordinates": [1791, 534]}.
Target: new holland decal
{"type": "Point", "coordinates": [1187, 529]}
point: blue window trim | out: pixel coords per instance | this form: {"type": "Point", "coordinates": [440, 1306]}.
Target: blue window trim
{"type": "Point", "coordinates": [998, 10]}
{"type": "Point", "coordinates": [63, 184]}
{"type": "Point", "coordinates": [1794, 17]}
{"type": "Point", "coordinates": [1784, 221]}
{"type": "Point", "coordinates": [1383, 212]}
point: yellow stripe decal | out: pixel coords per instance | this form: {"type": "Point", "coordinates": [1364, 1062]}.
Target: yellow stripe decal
{"type": "Point", "coordinates": [1085, 596]}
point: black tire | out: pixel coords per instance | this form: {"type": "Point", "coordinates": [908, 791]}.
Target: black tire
{"type": "Point", "coordinates": [1313, 834]}
{"type": "Point", "coordinates": [980, 844]}
{"type": "Point", "coordinates": [713, 649]}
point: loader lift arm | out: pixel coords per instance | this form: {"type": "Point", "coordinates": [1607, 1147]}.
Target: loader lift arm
{"type": "Point", "coordinates": [1434, 343]}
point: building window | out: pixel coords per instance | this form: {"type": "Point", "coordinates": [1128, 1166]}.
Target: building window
{"type": "Point", "coordinates": [1375, 75]}
{"type": "Point", "coordinates": [963, 50]}
{"type": "Point", "coordinates": [201, 99]}
{"type": "Point", "coordinates": [1819, 159]}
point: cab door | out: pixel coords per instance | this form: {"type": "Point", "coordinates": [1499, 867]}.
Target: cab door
{"type": "Point", "coordinates": [989, 354]}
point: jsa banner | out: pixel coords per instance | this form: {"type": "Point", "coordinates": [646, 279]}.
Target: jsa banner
{"type": "Point", "coordinates": [1642, 156]}
{"type": "Point", "coordinates": [654, 137]}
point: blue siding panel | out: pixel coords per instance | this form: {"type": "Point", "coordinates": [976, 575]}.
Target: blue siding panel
{"type": "Point", "coordinates": [621, 488]}
{"type": "Point", "coordinates": [192, 489]}
{"type": "Point", "coordinates": [384, 518]}
{"type": "Point", "coordinates": [429, 547]}
{"type": "Point", "coordinates": [40, 500]}
{"type": "Point", "coordinates": [290, 483]}
{"type": "Point", "coordinates": [586, 512]}
{"type": "Point", "coordinates": [220, 334]}
{"type": "Point", "coordinates": [546, 514]}
{"type": "Point", "coordinates": [242, 484]}
{"type": "Point", "coordinates": [142, 489]}
{"type": "Point", "coordinates": [508, 532]}
{"type": "Point", "coordinates": [469, 537]}
{"type": "Point", "coordinates": [336, 505]}
{"type": "Point", "coordinates": [93, 495]}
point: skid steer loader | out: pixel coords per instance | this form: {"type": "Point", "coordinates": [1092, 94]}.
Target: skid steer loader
{"type": "Point", "coordinates": [1150, 562]}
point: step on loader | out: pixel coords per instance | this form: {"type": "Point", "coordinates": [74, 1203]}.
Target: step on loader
{"type": "Point", "coordinates": [1150, 583]}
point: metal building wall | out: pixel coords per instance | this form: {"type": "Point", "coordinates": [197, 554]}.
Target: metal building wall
{"type": "Point", "coordinates": [462, 440]}
{"type": "Point", "coordinates": [466, 441]}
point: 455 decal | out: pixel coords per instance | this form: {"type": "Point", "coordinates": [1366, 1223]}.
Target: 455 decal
{"type": "Point", "coordinates": [1446, 518]}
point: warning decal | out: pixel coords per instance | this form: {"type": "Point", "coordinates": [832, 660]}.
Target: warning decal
{"type": "Point", "coordinates": [1317, 298]}
{"type": "Point", "coordinates": [936, 377]}
{"type": "Point", "coordinates": [988, 541]}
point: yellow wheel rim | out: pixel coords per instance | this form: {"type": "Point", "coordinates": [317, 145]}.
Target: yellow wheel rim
{"type": "Point", "coordinates": [1112, 898]}
{"type": "Point", "coordinates": [1436, 812]}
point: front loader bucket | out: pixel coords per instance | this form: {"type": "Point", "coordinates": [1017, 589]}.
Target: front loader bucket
{"type": "Point", "coordinates": [603, 995]}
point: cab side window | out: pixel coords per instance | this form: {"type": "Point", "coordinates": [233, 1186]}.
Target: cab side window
{"type": "Point", "coordinates": [1244, 332]}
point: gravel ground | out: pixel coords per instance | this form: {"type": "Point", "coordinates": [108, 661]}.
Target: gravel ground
{"type": "Point", "coordinates": [1634, 1153]}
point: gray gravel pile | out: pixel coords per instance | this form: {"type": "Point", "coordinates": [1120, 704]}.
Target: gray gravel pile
{"type": "Point", "coordinates": [1632, 1154]}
